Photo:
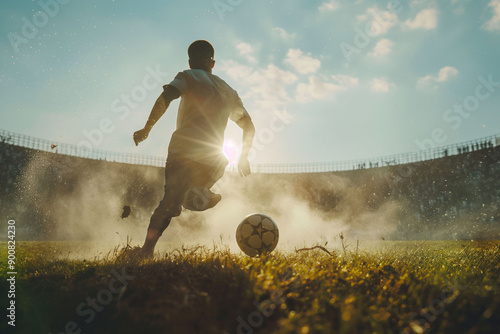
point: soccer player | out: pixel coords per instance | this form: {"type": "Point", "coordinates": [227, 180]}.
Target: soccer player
{"type": "Point", "coordinates": [195, 160]}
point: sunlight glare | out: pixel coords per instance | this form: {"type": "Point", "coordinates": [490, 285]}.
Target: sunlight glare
{"type": "Point", "coordinates": [232, 151]}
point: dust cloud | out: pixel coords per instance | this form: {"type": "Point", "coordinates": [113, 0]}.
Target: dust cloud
{"type": "Point", "coordinates": [73, 199]}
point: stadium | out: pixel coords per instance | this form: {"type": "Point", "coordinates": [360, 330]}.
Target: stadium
{"type": "Point", "coordinates": [447, 193]}
{"type": "Point", "coordinates": [69, 209]}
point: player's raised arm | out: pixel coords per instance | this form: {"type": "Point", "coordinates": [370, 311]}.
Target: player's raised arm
{"type": "Point", "coordinates": [246, 124]}
{"type": "Point", "coordinates": [161, 105]}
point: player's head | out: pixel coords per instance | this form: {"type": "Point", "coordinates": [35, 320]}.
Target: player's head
{"type": "Point", "coordinates": [201, 55]}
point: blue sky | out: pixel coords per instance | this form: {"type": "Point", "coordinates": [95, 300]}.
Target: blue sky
{"type": "Point", "coordinates": [323, 80]}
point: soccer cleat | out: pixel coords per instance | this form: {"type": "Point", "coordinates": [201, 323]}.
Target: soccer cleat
{"type": "Point", "coordinates": [200, 199]}
{"type": "Point", "coordinates": [134, 254]}
{"type": "Point", "coordinates": [146, 253]}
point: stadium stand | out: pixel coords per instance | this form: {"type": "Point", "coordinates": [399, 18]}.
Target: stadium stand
{"type": "Point", "coordinates": [433, 191]}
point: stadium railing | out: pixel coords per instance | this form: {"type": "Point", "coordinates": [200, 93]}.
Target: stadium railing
{"type": "Point", "coordinates": [25, 141]}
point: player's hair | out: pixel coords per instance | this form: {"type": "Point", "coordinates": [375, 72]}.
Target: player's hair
{"type": "Point", "coordinates": [200, 53]}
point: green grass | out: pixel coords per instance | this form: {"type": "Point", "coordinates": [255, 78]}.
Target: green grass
{"type": "Point", "coordinates": [400, 287]}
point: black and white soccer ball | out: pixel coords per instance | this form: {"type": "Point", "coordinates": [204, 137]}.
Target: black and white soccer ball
{"type": "Point", "coordinates": [257, 235]}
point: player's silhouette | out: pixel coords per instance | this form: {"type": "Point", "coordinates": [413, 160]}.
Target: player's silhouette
{"type": "Point", "coordinates": [195, 161]}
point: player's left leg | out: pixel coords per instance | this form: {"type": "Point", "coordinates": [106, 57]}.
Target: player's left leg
{"type": "Point", "coordinates": [169, 207]}
{"type": "Point", "coordinates": [176, 183]}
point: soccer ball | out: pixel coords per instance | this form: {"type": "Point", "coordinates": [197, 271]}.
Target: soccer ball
{"type": "Point", "coordinates": [257, 235]}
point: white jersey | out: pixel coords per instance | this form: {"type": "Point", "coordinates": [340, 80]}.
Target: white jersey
{"type": "Point", "coordinates": [207, 102]}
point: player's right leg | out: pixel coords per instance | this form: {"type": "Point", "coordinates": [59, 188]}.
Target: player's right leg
{"type": "Point", "coordinates": [199, 197]}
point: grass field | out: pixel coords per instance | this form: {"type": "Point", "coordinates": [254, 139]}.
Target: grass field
{"type": "Point", "coordinates": [394, 287]}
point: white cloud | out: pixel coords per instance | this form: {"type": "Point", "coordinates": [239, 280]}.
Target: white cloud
{"type": "Point", "coordinates": [494, 23]}
{"type": "Point", "coordinates": [235, 70]}
{"type": "Point", "coordinates": [425, 19]}
{"type": "Point", "coordinates": [444, 75]}
{"type": "Point", "coordinates": [329, 6]}
{"type": "Point", "coordinates": [266, 88]}
{"type": "Point", "coordinates": [383, 47]}
{"type": "Point", "coordinates": [381, 21]}
{"type": "Point", "coordinates": [380, 85]}
{"type": "Point", "coordinates": [246, 50]}
{"type": "Point", "coordinates": [317, 89]}
{"type": "Point", "coordinates": [269, 86]}
{"type": "Point", "coordinates": [302, 63]}
{"type": "Point", "coordinates": [283, 34]}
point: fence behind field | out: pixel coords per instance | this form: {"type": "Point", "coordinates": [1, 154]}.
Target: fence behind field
{"type": "Point", "coordinates": [137, 159]}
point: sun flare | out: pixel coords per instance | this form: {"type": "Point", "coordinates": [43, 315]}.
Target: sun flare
{"type": "Point", "coordinates": [232, 151]}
